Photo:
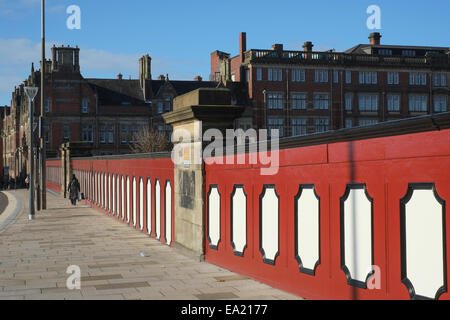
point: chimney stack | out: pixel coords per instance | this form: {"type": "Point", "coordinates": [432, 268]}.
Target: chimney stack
{"type": "Point", "coordinates": [308, 46]}
{"type": "Point", "coordinates": [277, 47]}
{"type": "Point", "coordinates": [119, 76]}
{"type": "Point", "coordinates": [198, 79]}
{"type": "Point", "coordinates": [161, 77]}
{"type": "Point", "coordinates": [375, 38]}
{"type": "Point", "coordinates": [145, 76]}
{"type": "Point", "coordinates": [242, 45]}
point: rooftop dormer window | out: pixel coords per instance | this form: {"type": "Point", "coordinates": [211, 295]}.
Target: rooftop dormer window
{"type": "Point", "coordinates": [409, 53]}
{"type": "Point", "coordinates": [385, 52]}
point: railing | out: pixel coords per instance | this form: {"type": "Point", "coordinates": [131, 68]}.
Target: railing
{"type": "Point", "coordinates": [344, 58]}
{"type": "Point", "coordinates": [135, 189]}
{"type": "Point", "coordinates": [54, 175]}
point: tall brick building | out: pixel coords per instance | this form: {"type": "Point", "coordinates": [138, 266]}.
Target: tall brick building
{"type": "Point", "coordinates": [104, 112]}
{"type": "Point", "coordinates": [303, 92]}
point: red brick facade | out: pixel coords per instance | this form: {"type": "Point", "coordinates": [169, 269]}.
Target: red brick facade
{"type": "Point", "coordinates": [104, 112]}
{"type": "Point", "coordinates": [343, 88]}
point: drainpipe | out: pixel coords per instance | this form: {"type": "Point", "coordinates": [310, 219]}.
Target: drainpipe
{"type": "Point", "coordinates": [431, 93]}
{"type": "Point", "coordinates": [265, 108]}
{"type": "Point", "coordinates": [288, 123]}
{"type": "Point", "coordinates": [331, 99]}
{"type": "Point", "coordinates": [96, 129]}
{"type": "Point", "coordinates": [342, 100]}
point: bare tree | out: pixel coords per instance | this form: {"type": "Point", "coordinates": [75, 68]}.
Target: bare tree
{"type": "Point", "coordinates": [148, 140]}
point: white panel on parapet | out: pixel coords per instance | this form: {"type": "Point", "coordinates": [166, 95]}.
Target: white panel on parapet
{"type": "Point", "coordinates": [99, 189]}
{"type": "Point", "coordinates": [128, 195]}
{"type": "Point", "coordinates": [117, 198]}
{"type": "Point", "coordinates": [94, 187]}
{"type": "Point", "coordinates": [214, 217]}
{"type": "Point", "coordinates": [105, 192]}
{"type": "Point", "coordinates": [307, 229]}
{"type": "Point", "coordinates": [423, 242]}
{"type": "Point", "coordinates": [109, 193]}
{"type": "Point", "coordinates": [168, 213]}
{"type": "Point", "coordinates": [91, 186]}
{"type": "Point", "coordinates": [149, 206]}
{"type": "Point", "coordinates": [269, 224]}
{"type": "Point", "coordinates": [141, 204]}
{"type": "Point", "coordinates": [239, 220]}
{"type": "Point", "coordinates": [134, 202]}
{"type": "Point", "coordinates": [158, 209]}
{"type": "Point", "coordinates": [122, 190]}
{"type": "Point", "coordinates": [113, 198]}
{"type": "Point", "coordinates": [356, 225]}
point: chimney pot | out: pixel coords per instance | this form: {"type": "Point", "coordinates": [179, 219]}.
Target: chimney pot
{"type": "Point", "coordinates": [277, 47]}
{"type": "Point", "coordinates": [375, 38]}
{"type": "Point", "coordinates": [198, 79]}
{"type": "Point", "coordinates": [120, 76]}
{"type": "Point", "coordinates": [308, 46]}
{"type": "Point", "coordinates": [161, 77]}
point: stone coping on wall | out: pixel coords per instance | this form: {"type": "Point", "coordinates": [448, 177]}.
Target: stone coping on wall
{"type": "Point", "coordinates": [156, 155]}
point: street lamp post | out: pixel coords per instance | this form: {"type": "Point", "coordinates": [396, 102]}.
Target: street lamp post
{"type": "Point", "coordinates": [42, 152]}
{"type": "Point", "coordinates": [31, 93]}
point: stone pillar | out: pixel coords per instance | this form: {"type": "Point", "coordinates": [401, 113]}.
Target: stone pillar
{"type": "Point", "coordinates": [65, 168]}
{"type": "Point", "coordinates": [194, 113]}
{"type": "Point", "coordinates": [69, 150]}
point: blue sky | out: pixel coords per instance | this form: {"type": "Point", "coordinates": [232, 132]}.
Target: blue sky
{"type": "Point", "coordinates": [180, 35]}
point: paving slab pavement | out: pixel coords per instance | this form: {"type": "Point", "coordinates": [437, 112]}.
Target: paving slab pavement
{"type": "Point", "coordinates": [35, 255]}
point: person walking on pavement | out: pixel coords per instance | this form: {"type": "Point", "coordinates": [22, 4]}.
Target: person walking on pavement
{"type": "Point", "coordinates": [74, 190]}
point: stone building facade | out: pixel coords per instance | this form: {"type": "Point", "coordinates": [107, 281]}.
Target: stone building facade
{"type": "Point", "coordinates": [305, 92]}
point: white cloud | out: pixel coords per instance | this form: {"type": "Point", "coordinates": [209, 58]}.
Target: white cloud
{"type": "Point", "coordinates": [12, 8]}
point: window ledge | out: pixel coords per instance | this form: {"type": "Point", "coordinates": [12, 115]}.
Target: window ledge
{"type": "Point", "coordinates": [369, 112]}
{"type": "Point", "coordinates": [417, 113]}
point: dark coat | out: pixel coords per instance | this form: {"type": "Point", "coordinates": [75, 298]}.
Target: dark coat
{"type": "Point", "coordinates": [74, 189]}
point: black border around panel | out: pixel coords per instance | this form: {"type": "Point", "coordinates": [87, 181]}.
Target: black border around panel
{"type": "Point", "coordinates": [404, 276]}
{"type": "Point", "coordinates": [261, 196]}
{"type": "Point", "coordinates": [297, 257]}
{"type": "Point", "coordinates": [149, 182]}
{"type": "Point", "coordinates": [141, 212]}
{"type": "Point", "coordinates": [117, 177]}
{"type": "Point", "coordinates": [99, 189]}
{"type": "Point", "coordinates": [235, 187]}
{"type": "Point", "coordinates": [212, 186]}
{"type": "Point", "coordinates": [133, 200]}
{"type": "Point", "coordinates": [110, 192]}
{"type": "Point", "coordinates": [113, 194]}
{"type": "Point", "coordinates": [349, 188]}
{"type": "Point", "coordinates": [99, 183]}
{"type": "Point", "coordinates": [107, 193]}
{"type": "Point", "coordinates": [118, 195]}
{"type": "Point", "coordinates": [127, 211]}
{"type": "Point", "coordinates": [123, 198]}
{"type": "Point", "coordinates": [105, 181]}
{"type": "Point", "coordinates": [95, 187]}
{"type": "Point", "coordinates": [104, 191]}
{"type": "Point", "coordinates": [165, 213]}
{"type": "Point", "coordinates": [156, 228]}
